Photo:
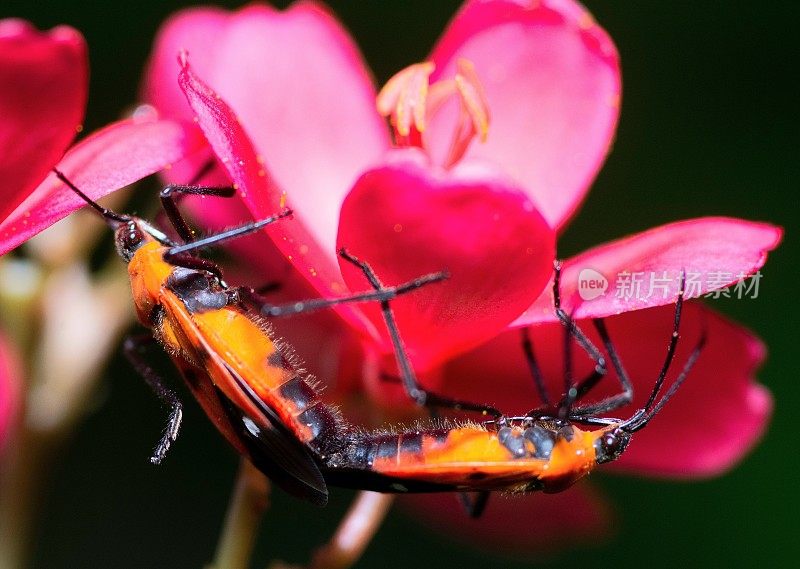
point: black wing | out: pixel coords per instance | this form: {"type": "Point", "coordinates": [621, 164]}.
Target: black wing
{"type": "Point", "coordinates": [274, 450]}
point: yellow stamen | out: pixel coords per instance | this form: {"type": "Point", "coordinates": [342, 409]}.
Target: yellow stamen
{"type": "Point", "coordinates": [404, 96]}
{"type": "Point", "coordinates": [473, 97]}
{"type": "Point", "coordinates": [409, 100]}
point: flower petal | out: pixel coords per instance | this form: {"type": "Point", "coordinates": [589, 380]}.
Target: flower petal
{"type": "Point", "coordinates": [714, 251]}
{"type": "Point", "coordinates": [552, 80]}
{"type": "Point", "coordinates": [709, 425]}
{"type": "Point", "coordinates": [407, 220]}
{"type": "Point", "coordinates": [259, 192]}
{"type": "Point", "coordinates": [300, 88]}
{"type": "Point", "coordinates": [10, 382]}
{"type": "Point", "coordinates": [108, 160]}
{"type": "Point", "coordinates": [718, 415]}
{"type": "Point", "coordinates": [44, 80]}
{"type": "Point", "coordinates": [185, 31]}
{"type": "Point", "coordinates": [517, 525]}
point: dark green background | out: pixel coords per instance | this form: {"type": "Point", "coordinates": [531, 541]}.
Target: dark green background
{"type": "Point", "coordinates": [709, 126]}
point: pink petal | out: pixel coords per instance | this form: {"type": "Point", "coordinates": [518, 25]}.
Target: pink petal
{"type": "Point", "coordinates": [43, 85]}
{"type": "Point", "coordinates": [259, 192]}
{"type": "Point", "coordinates": [300, 87]}
{"type": "Point", "coordinates": [707, 427]}
{"type": "Point", "coordinates": [407, 219]}
{"type": "Point", "coordinates": [188, 30]}
{"type": "Point", "coordinates": [714, 251]}
{"type": "Point", "coordinates": [10, 383]}
{"type": "Point", "coordinates": [108, 160]}
{"type": "Point", "coordinates": [552, 81]}
{"type": "Point", "coordinates": [719, 414]}
{"type": "Point", "coordinates": [517, 525]}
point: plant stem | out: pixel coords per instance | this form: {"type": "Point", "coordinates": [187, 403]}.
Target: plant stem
{"type": "Point", "coordinates": [240, 529]}
{"type": "Point", "coordinates": [23, 479]}
{"type": "Point", "coordinates": [355, 532]}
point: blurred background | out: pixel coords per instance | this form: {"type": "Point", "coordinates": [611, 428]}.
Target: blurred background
{"type": "Point", "coordinates": [708, 127]}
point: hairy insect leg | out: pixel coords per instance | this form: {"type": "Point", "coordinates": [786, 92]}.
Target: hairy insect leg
{"type": "Point", "coordinates": [408, 376]}
{"type": "Point", "coordinates": [613, 401]}
{"type": "Point", "coordinates": [169, 201]}
{"type": "Point", "coordinates": [673, 343]}
{"type": "Point", "coordinates": [533, 366]}
{"type": "Point", "coordinates": [255, 300]}
{"type": "Point", "coordinates": [578, 390]}
{"type": "Point", "coordinates": [626, 396]}
{"type": "Point", "coordinates": [572, 390]}
{"type": "Point", "coordinates": [132, 348]}
{"type": "Point", "coordinates": [223, 236]}
{"type": "Point", "coordinates": [573, 328]}
{"type": "Point", "coordinates": [188, 261]}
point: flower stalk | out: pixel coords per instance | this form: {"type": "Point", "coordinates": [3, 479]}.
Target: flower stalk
{"type": "Point", "coordinates": [248, 502]}
{"type": "Point", "coordinates": [355, 532]}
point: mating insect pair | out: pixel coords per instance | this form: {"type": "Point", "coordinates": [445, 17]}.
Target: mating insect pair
{"type": "Point", "coordinates": [250, 388]}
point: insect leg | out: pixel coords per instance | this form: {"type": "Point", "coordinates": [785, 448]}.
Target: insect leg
{"type": "Point", "coordinates": [566, 320]}
{"type": "Point", "coordinates": [188, 261]}
{"type": "Point", "coordinates": [382, 294]}
{"type": "Point", "coordinates": [614, 401]}
{"type": "Point", "coordinates": [533, 366]}
{"type": "Point", "coordinates": [673, 344]}
{"type": "Point", "coordinates": [475, 503]}
{"type": "Point", "coordinates": [169, 201]}
{"type": "Point", "coordinates": [227, 235]}
{"type": "Point", "coordinates": [132, 348]}
{"type": "Point", "coordinates": [687, 367]}
{"type": "Point", "coordinates": [651, 408]}
{"type": "Point", "coordinates": [626, 396]}
{"type": "Point", "coordinates": [407, 374]}
{"type": "Point", "coordinates": [571, 391]}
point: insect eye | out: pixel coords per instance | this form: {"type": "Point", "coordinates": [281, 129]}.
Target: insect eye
{"type": "Point", "coordinates": [610, 446]}
{"type": "Point", "coordinates": [611, 442]}
{"type": "Point", "coordinates": [129, 238]}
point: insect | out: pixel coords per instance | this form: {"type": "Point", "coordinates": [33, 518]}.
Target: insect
{"type": "Point", "coordinates": [544, 450]}
{"type": "Point", "coordinates": [249, 386]}
{"type": "Point", "coordinates": [245, 380]}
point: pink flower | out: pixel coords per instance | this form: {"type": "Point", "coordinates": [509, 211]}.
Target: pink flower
{"type": "Point", "coordinates": [43, 89]}
{"type": "Point", "coordinates": [540, 82]}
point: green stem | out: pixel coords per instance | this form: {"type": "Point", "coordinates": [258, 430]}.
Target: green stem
{"type": "Point", "coordinates": [240, 529]}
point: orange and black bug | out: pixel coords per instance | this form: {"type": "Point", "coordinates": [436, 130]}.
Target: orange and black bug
{"type": "Point", "coordinates": [541, 451]}
{"type": "Point", "coordinates": [246, 382]}
{"type": "Point", "coordinates": [270, 413]}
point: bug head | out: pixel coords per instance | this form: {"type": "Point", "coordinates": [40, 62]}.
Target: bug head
{"type": "Point", "coordinates": [611, 443]}
{"type": "Point", "coordinates": [128, 237]}
{"type": "Point", "coordinates": [130, 232]}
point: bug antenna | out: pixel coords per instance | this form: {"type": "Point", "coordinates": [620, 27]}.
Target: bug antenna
{"type": "Point", "coordinates": [640, 419]}
{"type": "Point", "coordinates": [107, 214]}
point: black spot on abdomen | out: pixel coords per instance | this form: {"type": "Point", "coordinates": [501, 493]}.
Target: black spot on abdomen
{"type": "Point", "coordinates": [299, 392]}
{"type": "Point", "coordinates": [198, 291]}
